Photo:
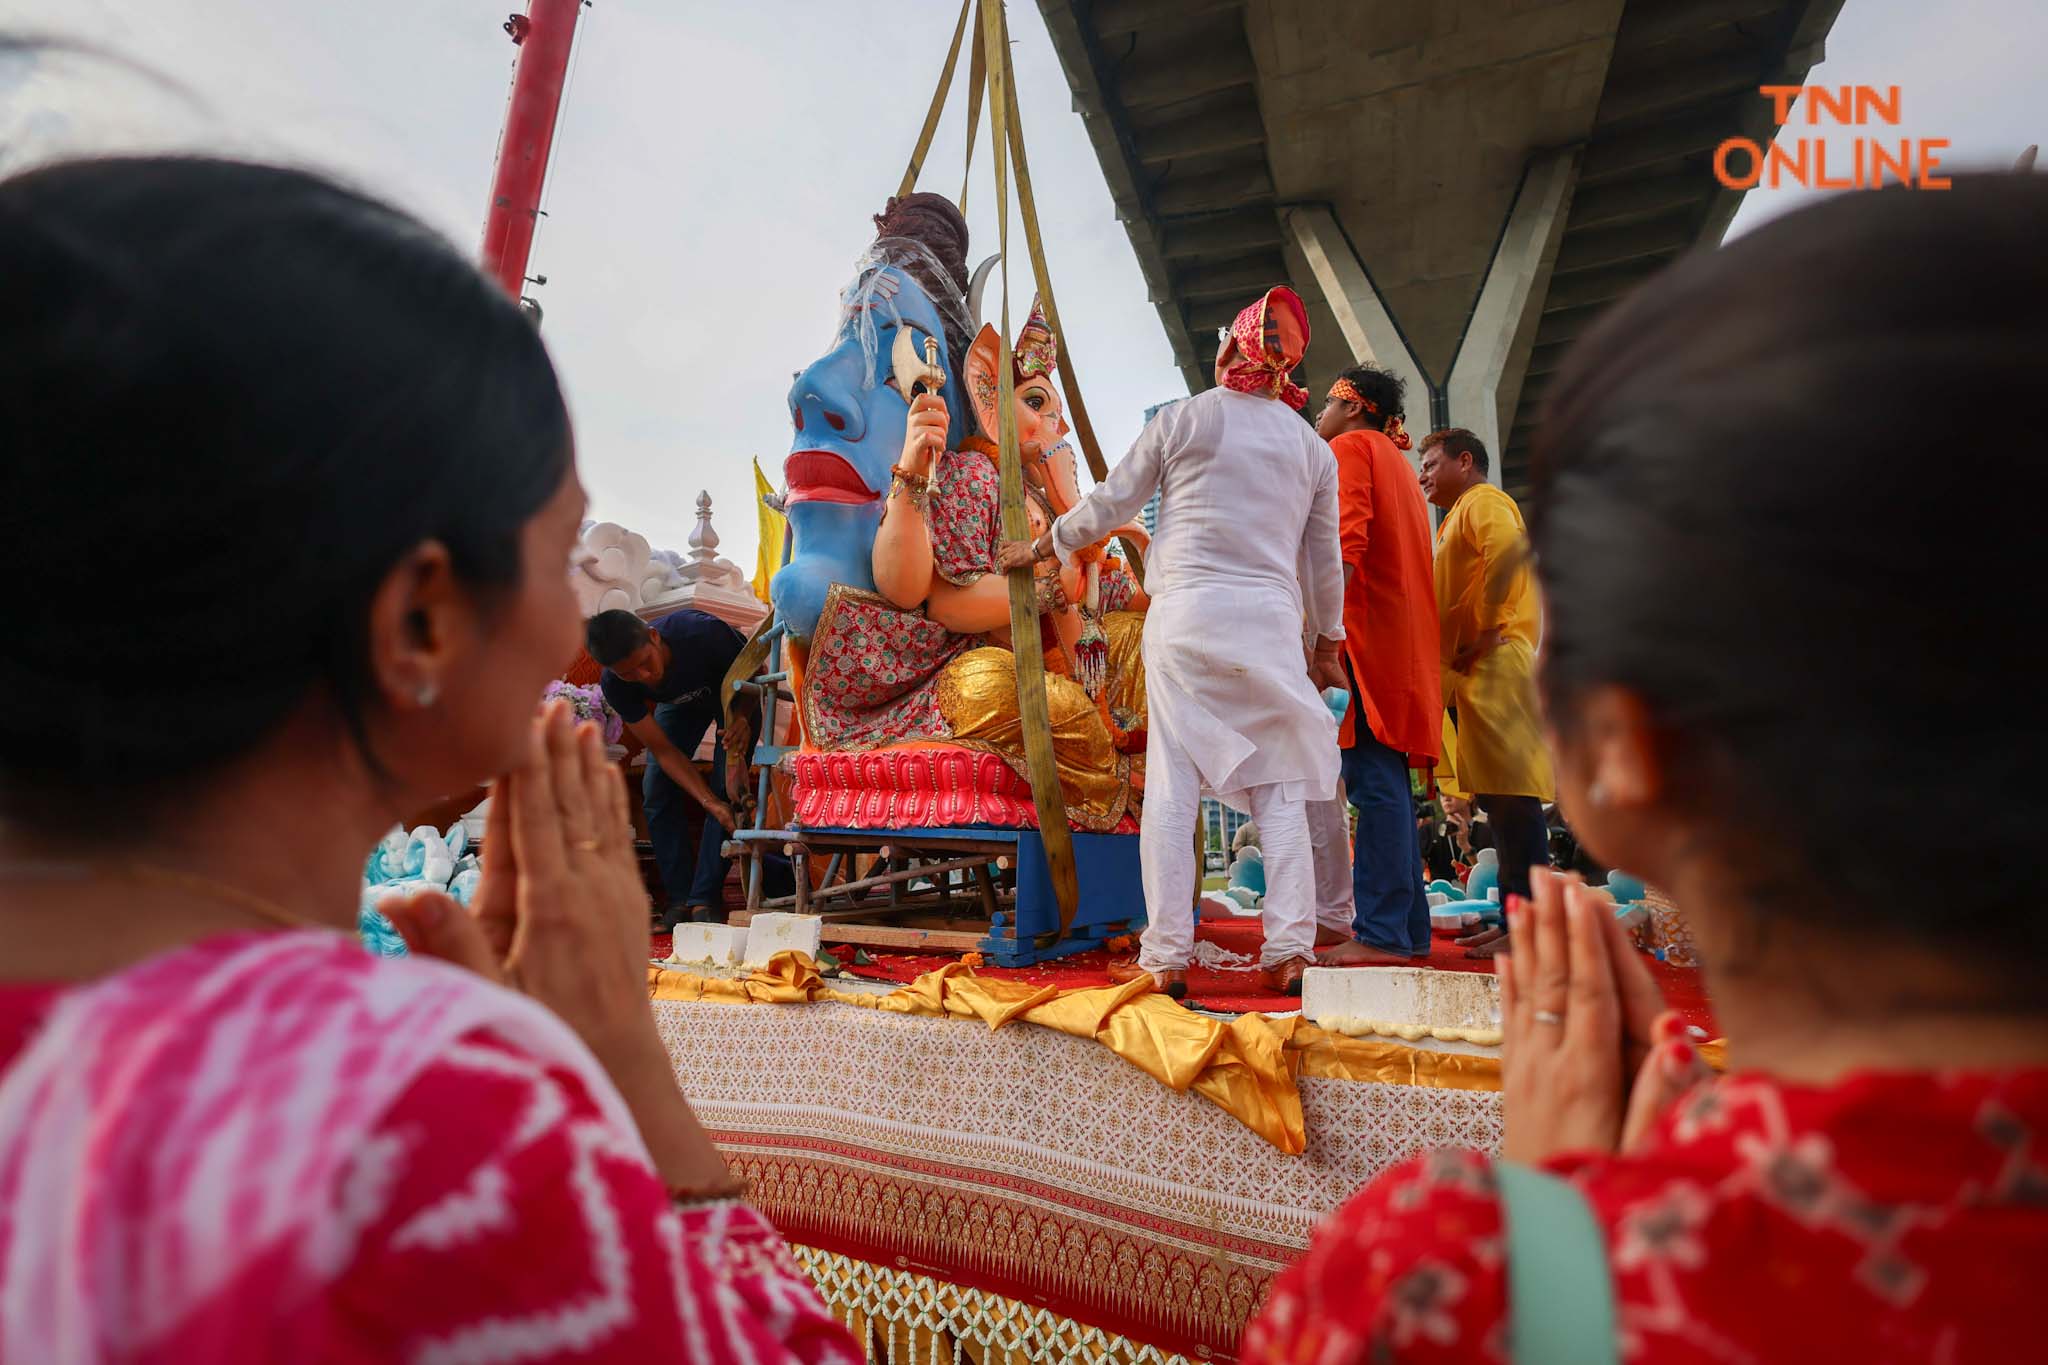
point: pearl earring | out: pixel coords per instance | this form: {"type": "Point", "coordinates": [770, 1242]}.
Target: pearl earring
{"type": "Point", "coordinates": [1596, 794]}
{"type": "Point", "coordinates": [427, 695]}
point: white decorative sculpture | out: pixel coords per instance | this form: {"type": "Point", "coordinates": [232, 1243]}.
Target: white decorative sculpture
{"type": "Point", "coordinates": [619, 570]}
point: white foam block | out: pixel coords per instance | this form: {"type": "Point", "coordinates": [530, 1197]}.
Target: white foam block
{"type": "Point", "coordinates": [782, 933]}
{"type": "Point", "coordinates": [719, 945]}
{"type": "Point", "coordinates": [1402, 999]}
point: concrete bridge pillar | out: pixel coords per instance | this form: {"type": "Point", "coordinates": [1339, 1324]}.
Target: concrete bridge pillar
{"type": "Point", "coordinates": [1369, 327]}
{"type": "Point", "coordinates": [1502, 326]}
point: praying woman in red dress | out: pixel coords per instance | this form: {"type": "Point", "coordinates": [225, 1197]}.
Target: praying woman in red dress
{"type": "Point", "coordinates": [1777, 660]}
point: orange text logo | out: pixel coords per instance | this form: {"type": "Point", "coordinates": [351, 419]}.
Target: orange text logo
{"type": "Point", "coordinates": [1740, 163]}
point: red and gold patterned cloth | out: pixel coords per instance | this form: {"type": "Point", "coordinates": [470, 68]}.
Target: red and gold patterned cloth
{"type": "Point", "coordinates": [1270, 338]}
{"type": "Point", "coordinates": [1892, 1217]}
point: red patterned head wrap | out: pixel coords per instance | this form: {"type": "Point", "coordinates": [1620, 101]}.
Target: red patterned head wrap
{"type": "Point", "coordinates": [1269, 339]}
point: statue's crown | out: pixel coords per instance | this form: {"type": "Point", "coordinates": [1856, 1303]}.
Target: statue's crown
{"type": "Point", "coordinates": [1038, 350]}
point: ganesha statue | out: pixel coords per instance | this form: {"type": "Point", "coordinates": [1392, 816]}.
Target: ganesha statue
{"type": "Point", "coordinates": [899, 617]}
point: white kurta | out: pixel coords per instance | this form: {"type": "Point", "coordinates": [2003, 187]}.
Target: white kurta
{"type": "Point", "coordinates": [1245, 559]}
{"type": "Point", "coordinates": [1245, 553]}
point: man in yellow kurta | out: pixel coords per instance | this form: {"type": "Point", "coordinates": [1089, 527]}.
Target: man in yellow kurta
{"type": "Point", "coordinates": [1491, 621]}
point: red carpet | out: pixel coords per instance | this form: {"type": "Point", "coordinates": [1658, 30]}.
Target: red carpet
{"type": "Point", "coordinates": [1231, 991]}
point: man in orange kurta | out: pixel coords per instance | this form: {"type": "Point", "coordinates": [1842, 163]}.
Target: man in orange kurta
{"type": "Point", "coordinates": [1392, 656]}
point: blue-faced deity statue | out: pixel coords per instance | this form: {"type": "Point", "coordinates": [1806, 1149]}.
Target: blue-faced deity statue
{"type": "Point", "coordinates": [849, 411]}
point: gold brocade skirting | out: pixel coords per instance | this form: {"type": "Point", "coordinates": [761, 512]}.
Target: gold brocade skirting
{"type": "Point", "coordinates": [1024, 1185]}
{"type": "Point", "coordinates": [1247, 1066]}
{"type": "Point", "coordinates": [901, 1315]}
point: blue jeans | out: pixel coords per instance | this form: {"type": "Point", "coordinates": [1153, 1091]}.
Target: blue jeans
{"type": "Point", "coordinates": [702, 869]}
{"type": "Point", "coordinates": [1392, 909]}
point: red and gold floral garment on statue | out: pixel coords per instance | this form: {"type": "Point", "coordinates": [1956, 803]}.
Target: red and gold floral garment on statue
{"type": "Point", "coordinates": [1893, 1217]}
{"type": "Point", "coordinates": [272, 1147]}
{"type": "Point", "coordinates": [879, 675]}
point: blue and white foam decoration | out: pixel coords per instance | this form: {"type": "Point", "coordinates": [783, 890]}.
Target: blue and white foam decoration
{"type": "Point", "coordinates": [405, 864]}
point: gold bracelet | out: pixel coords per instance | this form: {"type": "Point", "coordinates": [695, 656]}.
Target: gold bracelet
{"type": "Point", "coordinates": [920, 492]}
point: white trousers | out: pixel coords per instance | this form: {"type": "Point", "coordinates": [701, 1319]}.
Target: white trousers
{"type": "Point", "coordinates": [1166, 852]}
{"type": "Point", "coordinates": [1329, 830]}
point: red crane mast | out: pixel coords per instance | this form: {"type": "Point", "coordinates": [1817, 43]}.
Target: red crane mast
{"type": "Point", "coordinates": [544, 36]}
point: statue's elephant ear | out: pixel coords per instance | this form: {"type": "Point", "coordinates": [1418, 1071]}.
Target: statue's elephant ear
{"type": "Point", "coordinates": [984, 382]}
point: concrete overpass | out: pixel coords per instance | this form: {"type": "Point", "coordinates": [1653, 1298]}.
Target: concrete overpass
{"type": "Point", "coordinates": [1456, 187]}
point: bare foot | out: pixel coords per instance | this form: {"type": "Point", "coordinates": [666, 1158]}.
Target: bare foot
{"type": "Point", "coordinates": [1486, 943]}
{"type": "Point", "coordinates": [1330, 938]}
{"type": "Point", "coordinates": [1355, 954]}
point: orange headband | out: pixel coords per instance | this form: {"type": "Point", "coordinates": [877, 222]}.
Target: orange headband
{"type": "Point", "coordinates": [1345, 390]}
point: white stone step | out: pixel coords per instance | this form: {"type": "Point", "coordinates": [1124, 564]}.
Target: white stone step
{"type": "Point", "coordinates": [778, 932]}
{"type": "Point", "coordinates": [1408, 1004]}
{"type": "Point", "coordinates": [708, 945]}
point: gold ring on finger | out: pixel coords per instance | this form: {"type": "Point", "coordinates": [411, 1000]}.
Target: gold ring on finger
{"type": "Point", "coordinates": [587, 845]}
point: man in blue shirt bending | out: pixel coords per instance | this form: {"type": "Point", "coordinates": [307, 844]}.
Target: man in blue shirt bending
{"type": "Point", "coordinates": [663, 679]}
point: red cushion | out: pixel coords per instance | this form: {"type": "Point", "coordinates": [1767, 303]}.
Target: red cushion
{"type": "Point", "coordinates": [928, 786]}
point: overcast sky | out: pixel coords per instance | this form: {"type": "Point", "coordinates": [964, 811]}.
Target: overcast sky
{"type": "Point", "coordinates": [717, 164]}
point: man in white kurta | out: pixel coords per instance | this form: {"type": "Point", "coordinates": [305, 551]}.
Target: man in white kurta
{"type": "Point", "coordinates": [1245, 553]}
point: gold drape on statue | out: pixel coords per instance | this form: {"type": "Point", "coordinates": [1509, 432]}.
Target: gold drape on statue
{"type": "Point", "coordinates": [978, 698]}
{"type": "Point", "coordinates": [1126, 632]}
{"type": "Point", "coordinates": [1247, 1066]}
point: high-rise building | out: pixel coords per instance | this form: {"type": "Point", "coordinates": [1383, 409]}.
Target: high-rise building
{"type": "Point", "coordinates": [1220, 824]}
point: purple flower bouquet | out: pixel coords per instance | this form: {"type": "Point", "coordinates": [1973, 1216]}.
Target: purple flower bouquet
{"type": "Point", "coordinates": [589, 704]}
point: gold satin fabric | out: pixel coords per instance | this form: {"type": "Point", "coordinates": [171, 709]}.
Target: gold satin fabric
{"type": "Point", "coordinates": [1247, 1066]}
{"type": "Point", "coordinates": [1126, 632]}
{"type": "Point", "coordinates": [977, 695]}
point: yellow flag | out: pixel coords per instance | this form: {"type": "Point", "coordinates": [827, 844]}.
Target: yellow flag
{"type": "Point", "coordinates": [768, 558]}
